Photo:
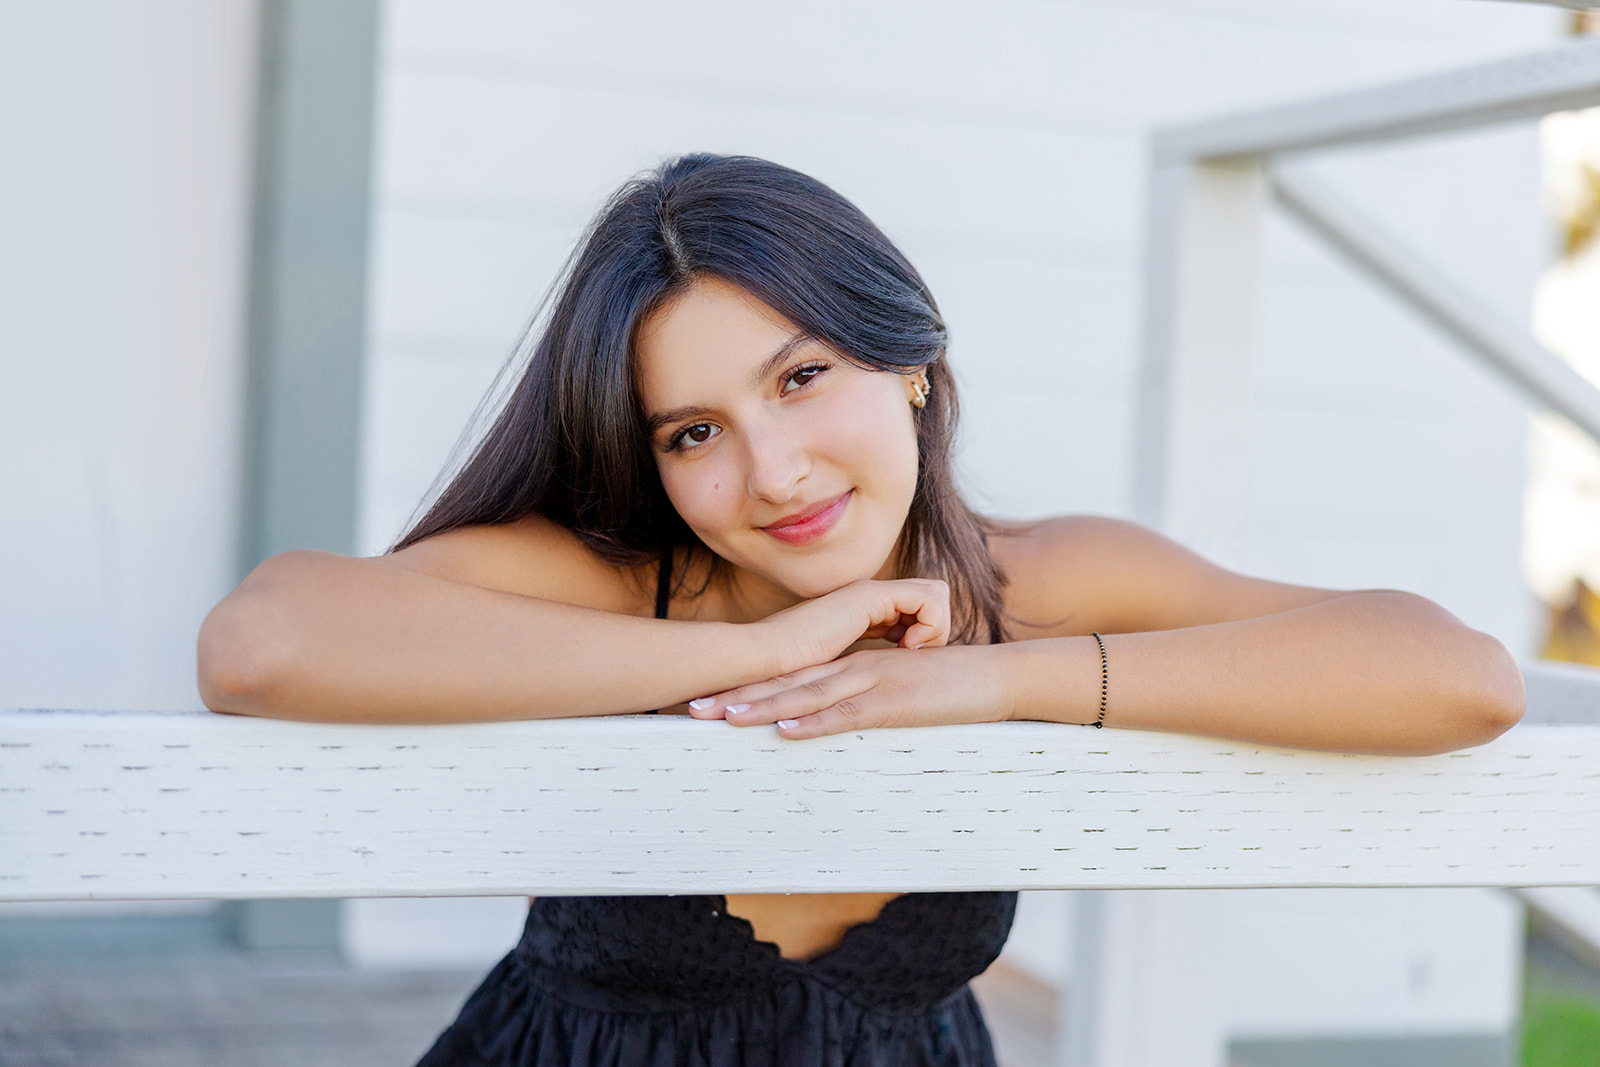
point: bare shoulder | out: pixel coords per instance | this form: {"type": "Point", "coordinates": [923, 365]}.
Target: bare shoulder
{"type": "Point", "coordinates": [532, 557]}
{"type": "Point", "coordinates": [1077, 573]}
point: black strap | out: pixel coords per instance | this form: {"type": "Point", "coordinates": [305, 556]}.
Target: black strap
{"type": "Point", "coordinates": [664, 584]}
{"type": "Point", "coordinates": [663, 593]}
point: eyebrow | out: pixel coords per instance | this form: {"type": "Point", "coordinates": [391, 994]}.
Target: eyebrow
{"type": "Point", "coordinates": [761, 373]}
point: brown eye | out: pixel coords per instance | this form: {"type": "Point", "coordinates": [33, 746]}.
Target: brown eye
{"type": "Point", "coordinates": [802, 376]}
{"type": "Point", "coordinates": [692, 436]}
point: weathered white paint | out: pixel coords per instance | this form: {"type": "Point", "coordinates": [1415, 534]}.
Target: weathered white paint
{"type": "Point", "coordinates": [192, 805]}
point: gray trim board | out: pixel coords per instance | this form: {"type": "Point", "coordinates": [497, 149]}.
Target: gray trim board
{"type": "Point", "coordinates": [308, 297]}
{"type": "Point", "coordinates": [309, 275]}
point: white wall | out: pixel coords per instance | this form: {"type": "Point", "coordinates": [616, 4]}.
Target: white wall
{"type": "Point", "coordinates": [1003, 148]}
{"type": "Point", "coordinates": [1424, 962]}
{"type": "Point", "coordinates": [124, 202]}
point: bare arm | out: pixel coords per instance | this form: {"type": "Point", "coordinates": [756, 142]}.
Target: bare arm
{"type": "Point", "coordinates": [316, 636]}
{"type": "Point", "coordinates": [1380, 671]}
{"type": "Point", "coordinates": [1191, 648]}
{"type": "Point", "coordinates": [1196, 648]}
{"type": "Point", "coordinates": [518, 621]}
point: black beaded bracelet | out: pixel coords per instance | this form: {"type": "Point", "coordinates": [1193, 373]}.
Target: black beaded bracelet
{"type": "Point", "coordinates": [1105, 682]}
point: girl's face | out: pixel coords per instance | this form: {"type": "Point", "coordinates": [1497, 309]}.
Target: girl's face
{"type": "Point", "coordinates": [785, 459]}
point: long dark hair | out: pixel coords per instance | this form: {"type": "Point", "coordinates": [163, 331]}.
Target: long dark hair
{"type": "Point", "coordinates": [570, 442]}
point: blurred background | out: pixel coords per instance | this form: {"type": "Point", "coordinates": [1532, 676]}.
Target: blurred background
{"type": "Point", "coordinates": [260, 261]}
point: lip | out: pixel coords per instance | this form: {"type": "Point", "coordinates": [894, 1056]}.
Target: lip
{"type": "Point", "coordinates": [808, 524]}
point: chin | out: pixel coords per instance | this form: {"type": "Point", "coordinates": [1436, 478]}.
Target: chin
{"type": "Point", "coordinates": [811, 580]}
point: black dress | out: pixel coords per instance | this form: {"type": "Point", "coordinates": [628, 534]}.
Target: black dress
{"type": "Point", "coordinates": [663, 981]}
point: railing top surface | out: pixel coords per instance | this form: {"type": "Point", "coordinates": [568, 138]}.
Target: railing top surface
{"type": "Point", "coordinates": [192, 805]}
{"type": "Point", "coordinates": [1525, 86]}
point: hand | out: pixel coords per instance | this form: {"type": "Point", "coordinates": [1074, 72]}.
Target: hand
{"type": "Point", "coordinates": [912, 612]}
{"type": "Point", "coordinates": [880, 687]}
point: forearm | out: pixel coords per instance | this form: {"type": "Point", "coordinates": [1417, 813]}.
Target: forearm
{"type": "Point", "coordinates": [360, 640]}
{"type": "Point", "coordinates": [1368, 672]}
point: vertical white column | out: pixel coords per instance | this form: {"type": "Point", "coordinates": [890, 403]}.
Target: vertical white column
{"type": "Point", "coordinates": [1079, 1018]}
{"type": "Point", "coordinates": [1146, 983]}
{"type": "Point", "coordinates": [1195, 416]}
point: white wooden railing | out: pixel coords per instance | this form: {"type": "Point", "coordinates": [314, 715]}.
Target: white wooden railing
{"type": "Point", "coordinates": [142, 805]}
{"type": "Point", "coordinates": [132, 805]}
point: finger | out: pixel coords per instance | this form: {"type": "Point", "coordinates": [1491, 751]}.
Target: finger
{"type": "Point", "coordinates": [802, 700]}
{"type": "Point", "coordinates": [717, 705]}
{"type": "Point", "coordinates": [889, 633]}
{"type": "Point", "coordinates": [854, 713]}
{"type": "Point", "coordinates": [921, 605]}
{"type": "Point", "coordinates": [925, 612]}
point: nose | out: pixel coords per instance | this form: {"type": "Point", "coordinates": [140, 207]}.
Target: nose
{"type": "Point", "coordinates": [778, 462]}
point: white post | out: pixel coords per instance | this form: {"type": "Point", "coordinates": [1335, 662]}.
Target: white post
{"type": "Point", "coordinates": [1145, 988]}
{"type": "Point", "coordinates": [1146, 975]}
{"type": "Point", "coordinates": [1192, 470]}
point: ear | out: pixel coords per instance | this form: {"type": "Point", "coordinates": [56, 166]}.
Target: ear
{"type": "Point", "coordinates": [917, 387]}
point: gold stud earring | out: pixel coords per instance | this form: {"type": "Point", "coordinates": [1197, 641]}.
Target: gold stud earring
{"type": "Point", "coordinates": [920, 390]}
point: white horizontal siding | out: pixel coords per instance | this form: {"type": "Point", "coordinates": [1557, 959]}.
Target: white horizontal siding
{"type": "Point", "coordinates": [1053, 64]}
{"type": "Point", "coordinates": [1416, 974]}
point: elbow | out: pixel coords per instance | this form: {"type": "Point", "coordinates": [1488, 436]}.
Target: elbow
{"type": "Point", "coordinates": [243, 652]}
{"type": "Point", "coordinates": [1507, 699]}
{"type": "Point", "coordinates": [239, 665]}
{"type": "Point", "coordinates": [1479, 697]}
{"type": "Point", "coordinates": [1494, 700]}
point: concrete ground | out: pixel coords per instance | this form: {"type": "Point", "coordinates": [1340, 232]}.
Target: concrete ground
{"type": "Point", "coordinates": [172, 993]}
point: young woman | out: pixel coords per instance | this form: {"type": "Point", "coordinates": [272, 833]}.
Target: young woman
{"type": "Point", "coordinates": [723, 481]}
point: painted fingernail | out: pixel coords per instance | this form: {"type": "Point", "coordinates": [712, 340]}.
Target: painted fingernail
{"type": "Point", "coordinates": [738, 708]}
{"type": "Point", "coordinates": [788, 724]}
{"type": "Point", "coordinates": [702, 703]}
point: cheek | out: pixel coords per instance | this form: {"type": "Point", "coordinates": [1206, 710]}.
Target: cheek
{"type": "Point", "coordinates": [704, 495]}
{"type": "Point", "coordinates": [872, 432]}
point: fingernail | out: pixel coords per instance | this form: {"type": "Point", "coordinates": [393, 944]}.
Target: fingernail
{"type": "Point", "coordinates": [788, 724]}
{"type": "Point", "coordinates": [738, 708]}
{"type": "Point", "coordinates": [915, 647]}
{"type": "Point", "coordinates": [702, 703]}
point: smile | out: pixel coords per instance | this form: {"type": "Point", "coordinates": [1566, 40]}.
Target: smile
{"type": "Point", "coordinates": [807, 525]}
